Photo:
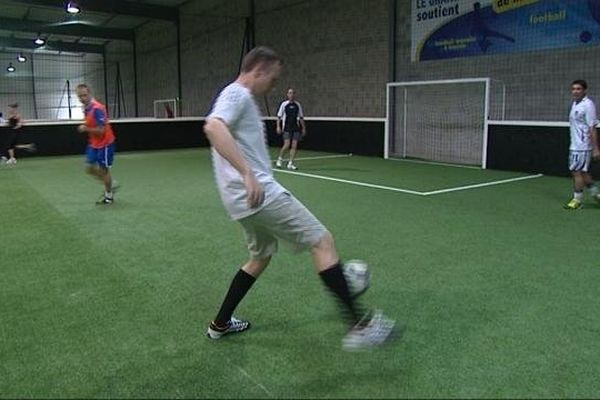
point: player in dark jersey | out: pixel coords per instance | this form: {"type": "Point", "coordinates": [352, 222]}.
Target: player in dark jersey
{"type": "Point", "coordinates": [15, 123]}
{"type": "Point", "coordinates": [290, 122]}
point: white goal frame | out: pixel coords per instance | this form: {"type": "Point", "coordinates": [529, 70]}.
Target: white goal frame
{"type": "Point", "coordinates": [390, 85]}
{"type": "Point", "coordinates": [173, 101]}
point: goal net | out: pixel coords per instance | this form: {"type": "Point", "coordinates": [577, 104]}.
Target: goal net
{"type": "Point", "coordinates": [442, 121]}
{"type": "Point", "coordinates": [166, 108]}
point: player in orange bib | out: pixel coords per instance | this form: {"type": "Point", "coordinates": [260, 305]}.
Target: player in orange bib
{"type": "Point", "coordinates": [101, 142]}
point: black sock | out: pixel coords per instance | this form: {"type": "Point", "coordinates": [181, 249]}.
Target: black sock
{"type": "Point", "coordinates": [241, 283]}
{"type": "Point", "coordinates": [335, 281]}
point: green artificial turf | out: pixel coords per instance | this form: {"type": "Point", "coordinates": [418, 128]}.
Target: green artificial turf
{"type": "Point", "coordinates": [497, 286]}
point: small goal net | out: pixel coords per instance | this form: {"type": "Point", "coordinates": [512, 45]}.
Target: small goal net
{"type": "Point", "coordinates": [166, 108]}
{"type": "Point", "coordinates": [442, 121]}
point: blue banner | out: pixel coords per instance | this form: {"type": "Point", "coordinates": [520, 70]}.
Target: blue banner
{"type": "Point", "coordinates": [458, 28]}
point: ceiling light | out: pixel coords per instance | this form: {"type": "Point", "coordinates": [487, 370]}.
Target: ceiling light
{"type": "Point", "coordinates": [21, 58]}
{"type": "Point", "coordinates": [40, 41]}
{"type": "Point", "coordinates": [11, 68]}
{"type": "Point", "coordinates": [72, 7]}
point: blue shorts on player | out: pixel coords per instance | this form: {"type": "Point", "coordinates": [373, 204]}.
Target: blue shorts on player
{"type": "Point", "coordinates": [102, 156]}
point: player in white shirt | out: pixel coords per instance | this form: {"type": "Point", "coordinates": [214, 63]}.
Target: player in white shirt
{"type": "Point", "coordinates": [584, 144]}
{"type": "Point", "coordinates": [290, 123]}
{"type": "Point", "coordinates": [265, 209]}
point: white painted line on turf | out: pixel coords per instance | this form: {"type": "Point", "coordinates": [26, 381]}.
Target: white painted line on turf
{"type": "Point", "coordinates": [370, 185]}
{"type": "Point", "coordinates": [319, 157]}
{"type": "Point", "coordinates": [395, 189]}
{"type": "Point", "coordinates": [322, 157]}
{"type": "Point", "coordinates": [261, 386]}
{"type": "Point", "coordinates": [478, 185]}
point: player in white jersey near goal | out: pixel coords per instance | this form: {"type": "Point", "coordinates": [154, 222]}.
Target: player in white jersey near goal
{"type": "Point", "coordinates": [267, 211]}
{"type": "Point", "coordinates": [584, 144]}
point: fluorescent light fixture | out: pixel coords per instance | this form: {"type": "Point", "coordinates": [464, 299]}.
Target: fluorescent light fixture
{"type": "Point", "coordinates": [11, 68]}
{"type": "Point", "coordinates": [72, 7]}
{"type": "Point", "coordinates": [21, 58]}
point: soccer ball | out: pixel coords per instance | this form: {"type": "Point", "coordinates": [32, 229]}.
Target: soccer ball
{"type": "Point", "coordinates": [358, 276]}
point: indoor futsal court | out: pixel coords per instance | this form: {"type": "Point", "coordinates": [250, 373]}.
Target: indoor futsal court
{"type": "Point", "coordinates": [438, 149]}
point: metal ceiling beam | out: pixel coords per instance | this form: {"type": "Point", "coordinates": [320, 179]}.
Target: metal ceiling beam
{"type": "Point", "coordinates": [121, 7]}
{"type": "Point", "coordinates": [51, 45]}
{"type": "Point", "coordinates": [70, 28]}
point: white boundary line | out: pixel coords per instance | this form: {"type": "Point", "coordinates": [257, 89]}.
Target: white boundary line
{"type": "Point", "coordinates": [320, 157]}
{"type": "Point", "coordinates": [38, 122]}
{"type": "Point", "coordinates": [478, 185]}
{"type": "Point", "coordinates": [395, 189]}
{"type": "Point", "coordinates": [356, 183]}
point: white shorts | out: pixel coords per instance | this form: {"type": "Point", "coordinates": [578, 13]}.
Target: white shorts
{"type": "Point", "coordinates": [579, 161]}
{"type": "Point", "coordinates": [285, 218]}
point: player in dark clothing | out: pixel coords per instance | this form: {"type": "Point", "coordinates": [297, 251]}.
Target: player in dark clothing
{"type": "Point", "coordinates": [290, 122]}
{"type": "Point", "coordinates": [15, 123]}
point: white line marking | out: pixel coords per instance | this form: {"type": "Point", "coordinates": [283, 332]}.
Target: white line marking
{"type": "Point", "coordinates": [394, 189]}
{"type": "Point", "coordinates": [434, 163]}
{"type": "Point", "coordinates": [371, 185]}
{"type": "Point", "coordinates": [555, 124]}
{"type": "Point", "coordinates": [319, 157]}
{"type": "Point", "coordinates": [478, 185]}
{"type": "Point", "coordinates": [247, 375]}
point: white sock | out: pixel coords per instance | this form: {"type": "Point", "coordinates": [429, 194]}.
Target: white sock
{"type": "Point", "coordinates": [578, 196]}
{"type": "Point", "coordinates": [108, 195]}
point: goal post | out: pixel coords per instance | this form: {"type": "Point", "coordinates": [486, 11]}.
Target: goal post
{"type": "Point", "coordinates": [166, 108]}
{"type": "Point", "coordinates": [442, 121]}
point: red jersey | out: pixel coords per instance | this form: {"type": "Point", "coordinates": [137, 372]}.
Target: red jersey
{"type": "Point", "coordinates": [95, 115]}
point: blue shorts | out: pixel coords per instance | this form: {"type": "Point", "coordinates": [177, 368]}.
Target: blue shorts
{"type": "Point", "coordinates": [102, 156]}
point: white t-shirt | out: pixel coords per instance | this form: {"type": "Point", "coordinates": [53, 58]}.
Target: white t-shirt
{"type": "Point", "coordinates": [581, 119]}
{"type": "Point", "coordinates": [236, 107]}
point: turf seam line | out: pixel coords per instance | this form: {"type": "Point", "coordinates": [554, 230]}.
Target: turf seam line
{"type": "Point", "coordinates": [258, 384]}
